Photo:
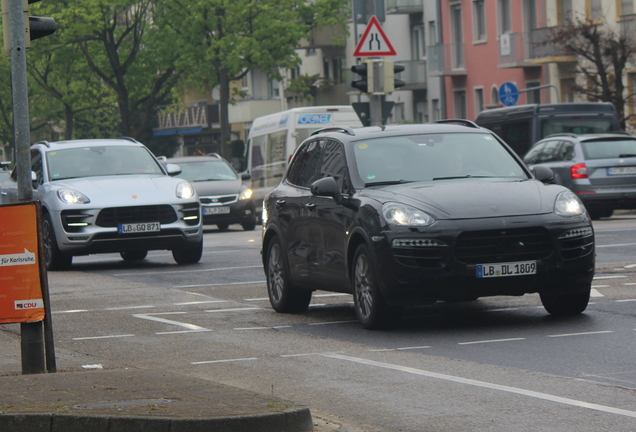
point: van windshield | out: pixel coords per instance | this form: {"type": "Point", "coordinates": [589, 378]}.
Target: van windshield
{"type": "Point", "coordinates": [579, 125]}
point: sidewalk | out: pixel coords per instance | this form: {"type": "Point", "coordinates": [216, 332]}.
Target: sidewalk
{"type": "Point", "coordinates": [126, 400]}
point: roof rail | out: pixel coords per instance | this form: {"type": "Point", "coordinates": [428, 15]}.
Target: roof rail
{"type": "Point", "coordinates": [344, 129]}
{"type": "Point", "coordinates": [461, 122]}
{"type": "Point", "coordinates": [569, 134]}
{"type": "Point", "coordinates": [46, 143]}
{"type": "Point", "coordinates": [128, 139]}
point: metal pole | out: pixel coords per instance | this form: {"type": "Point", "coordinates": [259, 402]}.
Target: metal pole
{"type": "Point", "coordinates": [32, 342]}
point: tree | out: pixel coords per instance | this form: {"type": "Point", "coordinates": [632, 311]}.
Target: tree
{"type": "Point", "coordinates": [603, 58]}
{"type": "Point", "coordinates": [222, 40]}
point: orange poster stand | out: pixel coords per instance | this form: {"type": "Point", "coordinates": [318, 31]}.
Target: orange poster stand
{"type": "Point", "coordinates": [21, 297]}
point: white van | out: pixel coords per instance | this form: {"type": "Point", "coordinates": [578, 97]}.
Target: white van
{"type": "Point", "coordinates": [273, 138]}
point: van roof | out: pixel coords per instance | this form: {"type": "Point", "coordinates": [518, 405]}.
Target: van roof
{"type": "Point", "coordinates": [546, 109]}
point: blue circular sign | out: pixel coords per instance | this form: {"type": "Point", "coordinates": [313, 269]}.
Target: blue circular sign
{"type": "Point", "coordinates": [508, 94]}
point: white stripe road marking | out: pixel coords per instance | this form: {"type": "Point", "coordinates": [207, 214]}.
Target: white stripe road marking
{"type": "Point", "coordinates": [104, 337]}
{"type": "Point", "coordinates": [615, 245]}
{"type": "Point", "coordinates": [262, 328]}
{"type": "Point", "coordinates": [491, 341]}
{"type": "Point", "coordinates": [609, 277]}
{"type": "Point", "coordinates": [130, 307]}
{"type": "Point", "coordinates": [629, 266]}
{"type": "Point", "coordinates": [219, 284]}
{"type": "Point", "coordinates": [595, 293]}
{"type": "Point", "coordinates": [233, 310]}
{"type": "Point", "coordinates": [183, 331]}
{"type": "Point", "coordinates": [223, 361]}
{"type": "Point", "coordinates": [625, 300]}
{"type": "Point", "coordinates": [167, 321]}
{"type": "Point", "coordinates": [199, 302]}
{"type": "Point", "coordinates": [484, 384]}
{"type": "Point", "coordinates": [186, 271]}
{"type": "Point", "coordinates": [581, 334]}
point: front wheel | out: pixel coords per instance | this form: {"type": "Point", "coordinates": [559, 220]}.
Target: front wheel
{"type": "Point", "coordinates": [282, 296]}
{"type": "Point", "coordinates": [135, 255]}
{"type": "Point", "coordinates": [189, 254]}
{"type": "Point", "coordinates": [371, 309]}
{"type": "Point", "coordinates": [566, 304]}
{"type": "Point", "coordinates": [53, 257]}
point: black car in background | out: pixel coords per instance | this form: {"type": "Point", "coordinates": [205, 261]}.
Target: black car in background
{"type": "Point", "coordinates": [225, 200]}
{"type": "Point", "coordinates": [599, 168]}
{"type": "Point", "coordinates": [411, 214]}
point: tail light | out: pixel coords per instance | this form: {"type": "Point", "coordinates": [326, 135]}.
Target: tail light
{"type": "Point", "coordinates": [578, 171]}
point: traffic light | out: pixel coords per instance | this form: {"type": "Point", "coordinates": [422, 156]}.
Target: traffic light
{"type": "Point", "coordinates": [390, 82]}
{"type": "Point", "coordinates": [365, 83]}
{"type": "Point", "coordinates": [38, 26]}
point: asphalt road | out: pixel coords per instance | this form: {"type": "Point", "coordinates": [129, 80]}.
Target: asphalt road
{"type": "Point", "coordinates": [483, 365]}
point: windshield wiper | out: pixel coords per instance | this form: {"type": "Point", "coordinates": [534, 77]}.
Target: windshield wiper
{"type": "Point", "coordinates": [461, 177]}
{"type": "Point", "coordinates": [387, 183]}
{"type": "Point", "coordinates": [627, 155]}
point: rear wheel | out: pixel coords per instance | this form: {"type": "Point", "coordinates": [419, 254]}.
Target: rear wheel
{"type": "Point", "coordinates": [53, 257]}
{"type": "Point", "coordinates": [189, 254]}
{"type": "Point", "coordinates": [250, 225]}
{"type": "Point", "coordinates": [136, 255]}
{"type": "Point", "coordinates": [282, 295]}
{"type": "Point", "coordinates": [566, 304]}
{"type": "Point", "coordinates": [371, 309]}
{"type": "Point", "coordinates": [222, 226]}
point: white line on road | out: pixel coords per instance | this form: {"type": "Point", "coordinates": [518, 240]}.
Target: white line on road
{"type": "Point", "coordinates": [484, 384]}
{"type": "Point", "coordinates": [71, 311]}
{"type": "Point", "coordinates": [232, 310]}
{"type": "Point", "coordinates": [412, 348]}
{"type": "Point", "coordinates": [609, 277]}
{"type": "Point", "coordinates": [615, 245]}
{"type": "Point", "coordinates": [130, 307]}
{"type": "Point", "coordinates": [262, 328]}
{"type": "Point", "coordinates": [581, 334]}
{"type": "Point", "coordinates": [595, 293]}
{"type": "Point", "coordinates": [491, 341]}
{"type": "Point", "coordinates": [185, 271]}
{"type": "Point", "coordinates": [219, 284]}
{"type": "Point", "coordinates": [331, 322]}
{"type": "Point", "coordinates": [625, 300]}
{"type": "Point", "coordinates": [199, 302]}
{"type": "Point", "coordinates": [224, 361]}
{"type": "Point", "coordinates": [104, 337]}
{"type": "Point", "coordinates": [183, 331]}
{"type": "Point", "coordinates": [167, 321]}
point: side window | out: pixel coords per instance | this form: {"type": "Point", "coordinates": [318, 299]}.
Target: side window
{"type": "Point", "coordinates": [36, 164]}
{"type": "Point", "coordinates": [517, 135]}
{"type": "Point", "coordinates": [550, 152]}
{"type": "Point", "coordinates": [334, 165]}
{"type": "Point", "coordinates": [533, 155]}
{"type": "Point", "coordinates": [304, 169]}
{"type": "Point", "coordinates": [567, 151]}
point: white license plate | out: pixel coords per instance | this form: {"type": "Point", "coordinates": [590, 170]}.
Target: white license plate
{"type": "Point", "coordinates": [520, 268]}
{"type": "Point", "coordinates": [215, 210]}
{"type": "Point", "coordinates": [139, 227]}
{"type": "Point", "coordinates": [621, 170]}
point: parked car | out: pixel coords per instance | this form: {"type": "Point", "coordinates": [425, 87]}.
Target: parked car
{"type": "Point", "coordinates": [411, 214]}
{"type": "Point", "coordinates": [225, 200]}
{"type": "Point", "coordinates": [4, 171]}
{"type": "Point", "coordinates": [110, 195]}
{"type": "Point", "coordinates": [599, 168]}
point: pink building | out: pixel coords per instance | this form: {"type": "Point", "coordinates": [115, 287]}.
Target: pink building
{"type": "Point", "coordinates": [486, 43]}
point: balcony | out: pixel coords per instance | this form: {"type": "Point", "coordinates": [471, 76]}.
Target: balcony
{"type": "Point", "coordinates": [446, 60]}
{"type": "Point", "coordinates": [193, 119]}
{"type": "Point", "coordinates": [541, 50]}
{"type": "Point", "coordinates": [627, 27]}
{"type": "Point", "coordinates": [246, 110]}
{"type": "Point", "coordinates": [325, 37]}
{"type": "Point", "coordinates": [516, 50]}
{"type": "Point", "coordinates": [403, 6]}
{"type": "Point", "coordinates": [414, 74]}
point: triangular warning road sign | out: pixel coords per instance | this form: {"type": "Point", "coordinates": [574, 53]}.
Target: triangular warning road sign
{"type": "Point", "coordinates": [374, 41]}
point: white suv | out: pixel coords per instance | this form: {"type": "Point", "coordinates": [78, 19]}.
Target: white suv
{"type": "Point", "coordinates": [110, 195]}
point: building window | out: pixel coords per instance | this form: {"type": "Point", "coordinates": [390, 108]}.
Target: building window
{"type": "Point", "coordinates": [325, 67]}
{"type": "Point", "coordinates": [338, 70]}
{"type": "Point", "coordinates": [459, 102]}
{"type": "Point", "coordinates": [564, 12]}
{"type": "Point", "coordinates": [567, 89]}
{"type": "Point", "coordinates": [274, 89]}
{"type": "Point", "coordinates": [627, 7]}
{"type": "Point", "coordinates": [479, 100]}
{"type": "Point", "coordinates": [479, 21]}
{"type": "Point", "coordinates": [418, 43]}
{"type": "Point", "coordinates": [494, 97]}
{"type": "Point", "coordinates": [594, 11]}
{"type": "Point", "coordinates": [533, 96]}
{"type": "Point", "coordinates": [437, 113]}
{"type": "Point", "coordinates": [457, 36]}
{"type": "Point", "coordinates": [432, 32]}
{"type": "Point", "coordinates": [505, 21]}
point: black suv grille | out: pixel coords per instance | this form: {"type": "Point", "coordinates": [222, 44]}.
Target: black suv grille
{"type": "Point", "coordinates": [111, 217]}
{"type": "Point", "coordinates": [516, 244]}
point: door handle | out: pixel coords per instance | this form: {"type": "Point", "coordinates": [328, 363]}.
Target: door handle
{"type": "Point", "coordinates": [280, 203]}
{"type": "Point", "coordinates": [310, 206]}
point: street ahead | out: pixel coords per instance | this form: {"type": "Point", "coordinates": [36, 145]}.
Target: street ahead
{"type": "Point", "coordinates": [482, 365]}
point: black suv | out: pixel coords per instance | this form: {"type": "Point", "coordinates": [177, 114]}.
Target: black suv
{"type": "Point", "coordinates": [410, 214]}
{"type": "Point", "coordinates": [599, 168]}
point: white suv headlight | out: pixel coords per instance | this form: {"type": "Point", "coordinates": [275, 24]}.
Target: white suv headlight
{"type": "Point", "coordinates": [185, 190]}
{"type": "Point", "coordinates": [568, 204]}
{"type": "Point", "coordinates": [405, 215]}
{"type": "Point", "coordinates": [70, 196]}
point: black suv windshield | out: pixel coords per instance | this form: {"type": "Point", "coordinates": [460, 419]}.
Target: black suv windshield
{"type": "Point", "coordinates": [433, 157]}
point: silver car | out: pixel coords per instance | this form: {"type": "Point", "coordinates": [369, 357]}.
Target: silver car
{"type": "Point", "coordinates": [110, 195]}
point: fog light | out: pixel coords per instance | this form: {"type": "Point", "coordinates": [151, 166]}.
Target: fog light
{"type": "Point", "coordinates": [576, 232]}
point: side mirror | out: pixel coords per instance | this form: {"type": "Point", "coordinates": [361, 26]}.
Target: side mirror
{"type": "Point", "coordinates": [543, 174]}
{"type": "Point", "coordinates": [173, 169]}
{"type": "Point", "coordinates": [327, 186]}
{"type": "Point", "coordinates": [246, 176]}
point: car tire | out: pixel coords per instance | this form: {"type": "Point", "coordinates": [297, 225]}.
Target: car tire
{"type": "Point", "coordinates": [223, 226]}
{"type": "Point", "coordinates": [371, 309]}
{"type": "Point", "coordinates": [188, 254]}
{"type": "Point", "coordinates": [283, 297]}
{"type": "Point", "coordinates": [566, 304]}
{"type": "Point", "coordinates": [54, 259]}
{"type": "Point", "coordinates": [249, 226]}
{"type": "Point", "coordinates": [135, 255]}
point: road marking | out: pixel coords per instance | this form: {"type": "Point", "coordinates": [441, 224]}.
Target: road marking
{"type": "Point", "coordinates": [625, 300]}
{"type": "Point", "coordinates": [71, 311]}
{"type": "Point", "coordinates": [331, 322]}
{"type": "Point", "coordinates": [310, 354]}
{"type": "Point", "coordinates": [630, 283]}
{"type": "Point", "coordinates": [581, 334]}
{"type": "Point", "coordinates": [185, 271]}
{"type": "Point", "coordinates": [629, 266]}
{"type": "Point", "coordinates": [609, 277]}
{"type": "Point", "coordinates": [224, 361]}
{"type": "Point", "coordinates": [262, 328]}
{"type": "Point", "coordinates": [183, 331]}
{"type": "Point", "coordinates": [616, 245]}
{"type": "Point", "coordinates": [595, 293]}
{"type": "Point", "coordinates": [199, 302]}
{"type": "Point", "coordinates": [167, 321]}
{"type": "Point", "coordinates": [490, 341]}
{"type": "Point", "coordinates": [130, 307]}
{"type": "Point", "coordinates": [232, 310]}
{"type": "Point", "coordinates": [104, 337]}
{"type": "Point", "coordinates": [219, 284]}
{"type": "Point", "coordinates": [488, 385]}
{"type": "Point", "coordinates": [412, 348]}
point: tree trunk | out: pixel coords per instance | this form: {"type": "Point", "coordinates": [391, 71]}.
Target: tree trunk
{"type": "Point", "coordinates": [224, 111]}
{"type": "Point", "coordinates": [70, 121]}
